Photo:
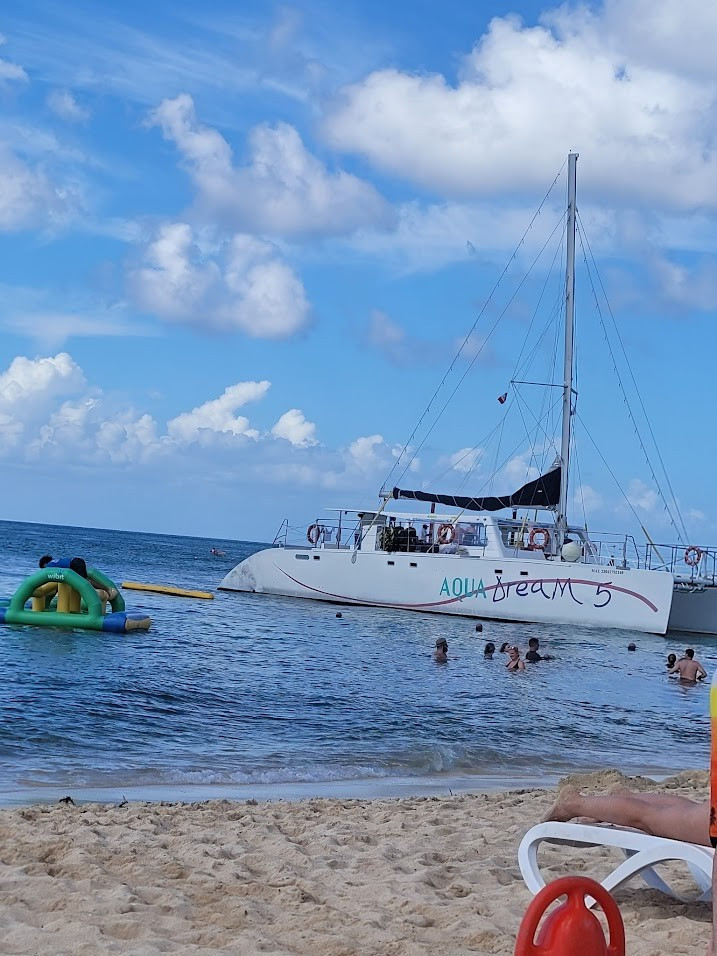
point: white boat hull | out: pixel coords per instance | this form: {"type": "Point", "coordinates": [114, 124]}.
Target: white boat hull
{"type": "Point", "coordinates": [694, 610]}
{"type": "Point", "coordinates": [508, 588]}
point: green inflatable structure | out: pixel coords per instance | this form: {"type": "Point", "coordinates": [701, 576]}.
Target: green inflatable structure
{"type": "Point", "coordinates": [60, 597]}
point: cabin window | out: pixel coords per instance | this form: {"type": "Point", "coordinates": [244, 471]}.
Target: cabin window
{"type": "Point", "coordinates": [390, 562]}
{"type": "Point", "coordinates": [498, 571]}
{"type": "Point", "coordinates": [525, 573]}
{"type": "Point", "coordinates": [317, 557]}
{"type": "Point", "coordinates": [302, 557]}
{"type": "Point", "coordinates": [414, 564]}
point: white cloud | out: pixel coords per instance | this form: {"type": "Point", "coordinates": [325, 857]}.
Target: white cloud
{"type": "Point", "coordinates": [525, 95]}
{"type": "Point", "coordinates": [27, 380]}
{"type": "Point", "coordinates": [245, 287]}
{"type": "Point", "coordinates": [30, 388]}
{"type": "Point", "coordinates": [284, 191]}
{"type": "Point", "coordinates": [29, 197]}
{"type": "Point", "coordinates": [63, 104]}
{"type": "Point", "coordinates": [642, 496]}
{"type": "Point", "coordinates": [10, 72]}
{"type": "Point", "coordinates": [465, 460]}
{"type": "Point", "coordinates": [294, 428]}
{"type": "Point", "coordinates": [587, 499]}
{"type": "Point", "coordinates": [363, 452]}
{"type": "Point", "coordinates": [218, 415]}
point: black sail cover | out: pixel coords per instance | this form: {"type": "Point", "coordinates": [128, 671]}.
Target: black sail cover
{"type": "Point", "coordinates": [543, 492]}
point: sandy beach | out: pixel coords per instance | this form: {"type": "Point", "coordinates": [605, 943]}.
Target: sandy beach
{"type": "Point", "coordinates": [407, 876]}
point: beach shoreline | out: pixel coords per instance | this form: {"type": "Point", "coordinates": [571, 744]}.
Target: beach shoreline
{"type": "Point", "coordinates": [366, 788]}
{"type": "Point", "coordinates": [318, 876]}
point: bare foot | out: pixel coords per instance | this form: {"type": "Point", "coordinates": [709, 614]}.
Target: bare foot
{"type": "Point", "coordinates": [564, 807]}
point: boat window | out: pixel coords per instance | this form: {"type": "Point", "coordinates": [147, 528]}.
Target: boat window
{"type": "Point", "coordinates": [525, 573]}
{"type": "Point", "coordinates": [390, 562]}
{"type": "Point", "coordinates": [471, 535]}
{"type": "Point", "coordinates": [301, 557]}
{"type": "Point", "coordinates": [498, 571]}
{"type": "Point", "coordinates": [317, 557]}
{"type": "Point", "coordinates": [414, 564]}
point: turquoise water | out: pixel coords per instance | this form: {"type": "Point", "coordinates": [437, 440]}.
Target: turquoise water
{"type": "Point", "coordinates": [249, 693]}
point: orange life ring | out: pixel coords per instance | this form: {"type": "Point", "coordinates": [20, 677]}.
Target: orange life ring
{"type": "Point", "coordinates": [446, 533]}
{"type": "Point", "coordinates": [313, 533]}
{"type": "Point", "coordinates": [544, 539]}
{"type": "Point", "coordinates": [693, 555]}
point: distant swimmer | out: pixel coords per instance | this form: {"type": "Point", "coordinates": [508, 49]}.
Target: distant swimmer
{"type": "Point", "coordinates": [489, 651]}
{"type": "Point", "coordinates": [671, 660]}
{"type": "Point", "coordinates": [689, 669]}
{"type": "Point", "coordinates": [218, 552]}
{"type": "Point", "coordinates": [441, 652]}
{"type": "Point", "coordinates": [515, 663]}
{"type": "Point", "coordinates": [533, 655]}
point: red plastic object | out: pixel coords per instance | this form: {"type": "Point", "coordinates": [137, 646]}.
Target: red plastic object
{"type": "Point", "coordinates": [571, 929]}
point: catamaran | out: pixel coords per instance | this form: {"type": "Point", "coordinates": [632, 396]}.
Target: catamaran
{"type": "Point", "coordinates": [529, 565]}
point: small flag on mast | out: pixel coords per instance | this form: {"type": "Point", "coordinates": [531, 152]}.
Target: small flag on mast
{"type": "Point", "coordinates": [502, 398]}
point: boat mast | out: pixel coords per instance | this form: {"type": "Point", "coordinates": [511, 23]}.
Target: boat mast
{"type": "Point", "coordinates": [568, 364]}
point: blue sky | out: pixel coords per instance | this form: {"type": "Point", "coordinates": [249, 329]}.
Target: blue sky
{"type": "Point", "coordinates": [241, 243]}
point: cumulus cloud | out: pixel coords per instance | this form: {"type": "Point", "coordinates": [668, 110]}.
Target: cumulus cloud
{"type": "Point", "coordinates": [218, 415]}
{"type": "Point", "coordinates": [283, 191]}
{"type": "Point", "coordinates": [49, 414]}
{"type": "Point", "coordinates": [238, 285]}
{"type": "Point", "coordinates": [63, 104]}
{"type": "Point", "coordinates": [294, 428]}
{"type": "Point", "coordinates": [364, 452]}
{"type": "Point", "coordinates": [30, 388]}
{"type": "Point", "coordinates": [525, 95]}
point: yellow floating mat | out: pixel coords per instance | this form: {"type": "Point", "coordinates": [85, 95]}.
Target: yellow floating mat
{"type": "Point", "coordinates": [167, 589]}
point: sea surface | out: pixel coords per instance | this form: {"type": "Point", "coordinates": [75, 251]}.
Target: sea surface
{"type": "Point", "coordinates": [249, 695]}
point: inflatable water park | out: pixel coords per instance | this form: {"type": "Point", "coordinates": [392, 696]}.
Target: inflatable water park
{"type": "Point", "coordinates": [67, 594]}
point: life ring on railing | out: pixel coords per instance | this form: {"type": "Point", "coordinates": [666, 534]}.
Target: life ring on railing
{"type": "Point", "coordinates": [313, 533]}
{"type": "Point", "coordinates": [693, 555]}
{"type": "Point", "coordinates": [538, 545]}
{"type": "Point", "coordinates": [446, 533]}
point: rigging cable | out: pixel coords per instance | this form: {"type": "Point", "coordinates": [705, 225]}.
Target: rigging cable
{"type": "Point", "coordinates": [465, 342]}
{"type": "Point", "coordinates": [680, 534]}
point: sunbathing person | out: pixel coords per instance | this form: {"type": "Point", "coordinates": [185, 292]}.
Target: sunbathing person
{"type": "Point", "coordinates": [659, 814]}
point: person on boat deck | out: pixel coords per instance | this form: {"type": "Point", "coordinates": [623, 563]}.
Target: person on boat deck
{"type": "Point", "coordinates": [688, 668]}
{"type": "Point", "coordinates": [489, 651]}
{"type": "Point", "coordinates": [441, 652]}
{"type": "Point", "coordinates": [426, 534]}
{"type": "Point", "coordinates": [514, 662]}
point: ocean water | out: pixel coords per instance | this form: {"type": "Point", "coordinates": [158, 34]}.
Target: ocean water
{"type": "Point", "coordinates": [253, 695]}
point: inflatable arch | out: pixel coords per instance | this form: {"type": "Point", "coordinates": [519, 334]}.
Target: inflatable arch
{"type": "Point", "coordinates": [60, 597]}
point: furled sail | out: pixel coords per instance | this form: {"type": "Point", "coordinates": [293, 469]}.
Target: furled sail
{"type": "Point", "coordinates": [543, 492]}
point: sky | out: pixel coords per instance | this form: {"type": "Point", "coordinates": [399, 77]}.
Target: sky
{"type": "Point", "coordinates": [241, 245]}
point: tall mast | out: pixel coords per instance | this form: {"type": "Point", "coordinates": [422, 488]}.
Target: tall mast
{"type": "Point", "coordinates": [568, 364]}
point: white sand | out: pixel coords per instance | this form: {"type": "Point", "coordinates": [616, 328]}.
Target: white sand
{"type": "Point", "coordinates": [402, 876]}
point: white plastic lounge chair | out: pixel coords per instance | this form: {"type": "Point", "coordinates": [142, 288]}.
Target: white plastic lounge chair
{"type": "Point", "coordinates": [642, 853]}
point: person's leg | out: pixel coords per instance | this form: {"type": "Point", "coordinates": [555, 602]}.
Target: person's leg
{"type": "Point", "coordinates": [675, 818]}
